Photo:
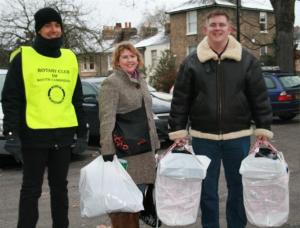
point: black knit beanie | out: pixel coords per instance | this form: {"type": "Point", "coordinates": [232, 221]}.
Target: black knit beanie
{"type": "Point", "coordinates": [46, 15]}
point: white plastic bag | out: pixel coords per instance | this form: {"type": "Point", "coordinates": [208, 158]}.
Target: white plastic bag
{"type": "Point", "coordinates": [184, 166]}
{"type": "Point", "coordinates": [262, 167]}
{"type": "Point", "coordinates": [178, 187]}
{"type": "Point", "coordinates": [106, 187]}
{"type": "Point", "coordinates": [265, 188]}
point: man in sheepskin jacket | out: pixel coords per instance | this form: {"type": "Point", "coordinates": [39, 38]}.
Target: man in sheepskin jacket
{"type": "Point", "coordinates": [220, 92]}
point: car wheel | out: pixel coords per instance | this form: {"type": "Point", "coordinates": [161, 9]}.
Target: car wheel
{"type": "Point", "coordinates": [287, 116]}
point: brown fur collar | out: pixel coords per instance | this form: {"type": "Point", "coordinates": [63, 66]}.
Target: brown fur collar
{"type": "Point", "coordinates": [233, 51]}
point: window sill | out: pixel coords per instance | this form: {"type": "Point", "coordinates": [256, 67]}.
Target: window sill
{"type": "Point", "coordinates": [88, 70]}
{"type": "Point", "coordinates": [191, 34]}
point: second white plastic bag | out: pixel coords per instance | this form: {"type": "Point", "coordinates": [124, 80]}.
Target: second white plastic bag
{"type": "Point", "coordinates": [106, 187]}
{"type": "Point", "coordinates": [266, 188]}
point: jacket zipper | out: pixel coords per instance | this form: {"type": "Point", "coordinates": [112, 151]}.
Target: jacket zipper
{"type": "Point", "coordinates": [220, 80]}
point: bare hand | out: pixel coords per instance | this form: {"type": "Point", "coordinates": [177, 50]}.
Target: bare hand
{"type": "Point", "coordinates": [180, 141]}
{"type": "Point", "coordinates": [263, 140]}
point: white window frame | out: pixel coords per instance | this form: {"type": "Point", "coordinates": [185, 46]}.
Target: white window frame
{"type": "Point", "coordinates": [92, 63]}
{"type": "Point", "coordinates": [88, 63]}
{"type": "Point", "coordinates": [154, 57]}
{"type": "Point", "coordinates": [109, 62]}
{"type": "Point", "coordinates": [263, 22]}
{"type": "Point", "coordinates": [263, 50]}
{"type": "Point", "coordinates": [191, 22]}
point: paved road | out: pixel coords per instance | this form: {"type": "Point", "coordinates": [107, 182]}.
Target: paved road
{"type": "Point", "coordinates": [286, 139]}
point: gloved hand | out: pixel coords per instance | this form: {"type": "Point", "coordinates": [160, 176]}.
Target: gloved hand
{"type": "Point", "coordinates": [108, 157]}
{"type": "Point", "coordinates": [81, 140]}
{"type": "Point", "coordinates": [80, 145]}
{"type": "Point", "coordinates": [13, 146]}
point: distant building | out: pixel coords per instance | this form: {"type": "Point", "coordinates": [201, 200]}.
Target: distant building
{"type": "Point", "coordinates": [97, 61]}
{"type": "Point", "coordinates": [147, 31]}
{"type": "Point", "coordinates": [257, 25]}
{"type": "Point", "coordinates": [297, 61]}
{"type": "Point", "coordinates": [152, 49]}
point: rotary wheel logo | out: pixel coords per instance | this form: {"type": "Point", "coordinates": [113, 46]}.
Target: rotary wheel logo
{"type": "Point", "coordinates": [56, 94]}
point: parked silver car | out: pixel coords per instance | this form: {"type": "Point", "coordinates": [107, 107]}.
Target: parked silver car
{"type": "Point", "coordinates": [2, 138]}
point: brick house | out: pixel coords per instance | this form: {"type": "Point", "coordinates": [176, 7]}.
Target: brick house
{"type": "Point", "coordinates": [97, 62]}
{"type": "Point", "coordinates": [94, 62]}
{"type": "Point", "coordinates": [297, 61]}
{"type": "Point", "coordinates": [257, 25]}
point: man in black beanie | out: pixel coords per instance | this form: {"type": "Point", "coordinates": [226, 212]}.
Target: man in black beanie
{"type": "Point", "coordinates": [46, 15]}
{"type": "Point", "coordinates": [43, 113]}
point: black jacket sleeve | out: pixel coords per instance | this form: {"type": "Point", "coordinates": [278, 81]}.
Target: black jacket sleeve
{"type": "Point", "coordinates": [77, 101]}
{"type": "Point", "coordinates": [182, 98]}
{"type": "Point", "coordinates": [13, 97]}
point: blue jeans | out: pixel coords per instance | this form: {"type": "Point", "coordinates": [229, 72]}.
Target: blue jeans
{"type": "Point", "coordinates": [231, 153]}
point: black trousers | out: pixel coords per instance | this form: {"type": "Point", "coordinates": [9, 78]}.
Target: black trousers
{"type": "Point", "coordinates": [35, 162]}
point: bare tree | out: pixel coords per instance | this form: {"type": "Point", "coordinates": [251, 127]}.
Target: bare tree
{"type": "Point", "coordinates": [284, 18]}
{"type": "Point", "coordinates": [4, 56]}
{"type": "Point", "coordinates": [158, 18]}
{"type": "Point", "coordinates": [17, 24]}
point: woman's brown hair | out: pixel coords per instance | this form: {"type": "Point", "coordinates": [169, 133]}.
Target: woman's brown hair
{"type": "Point", "coordinates": [125, 45]}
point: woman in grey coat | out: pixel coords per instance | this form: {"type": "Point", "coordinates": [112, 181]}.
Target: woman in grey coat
{"type": "Point", "coordinates": [123, 91]}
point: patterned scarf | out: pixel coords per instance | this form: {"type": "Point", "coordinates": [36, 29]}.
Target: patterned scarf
{"type": "Point", "coordinates": [135, 75]}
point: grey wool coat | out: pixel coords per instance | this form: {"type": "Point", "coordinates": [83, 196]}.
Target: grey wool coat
{"type": "Point", "coordinates": [121, 94]}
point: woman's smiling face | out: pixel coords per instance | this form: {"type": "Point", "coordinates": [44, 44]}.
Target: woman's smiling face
{"type": "Point", "coordinates": [128, 61]}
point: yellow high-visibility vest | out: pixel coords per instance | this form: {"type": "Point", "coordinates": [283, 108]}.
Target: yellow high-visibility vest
{"type": "Point", "coordinates": [49, 87]}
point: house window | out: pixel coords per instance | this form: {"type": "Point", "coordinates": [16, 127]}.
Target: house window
{"type": "Point", "coordinates": [109, 62]}
{"type": "Point", "coordinates": [191, 49]}
{"type": "Point", "coordinates": [263, 21]}
{"type": "Point", "coordinates": [92, 63]}
{"type": "Point", "coordinates": [263, 50]}
{"type": "Point", "coordinates": [84, 65]}
{"type": "Point", "coordinates": [191, 22]}
{"type": "Point", "coordinates": [88, 63]}
{"type": "Point", "coordinates": [153, 57]}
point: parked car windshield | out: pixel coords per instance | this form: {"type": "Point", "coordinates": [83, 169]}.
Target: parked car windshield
{"type": "Point", "coordinates": [2, 79]}
{"type": "Point", "coordinates": [290, 81]}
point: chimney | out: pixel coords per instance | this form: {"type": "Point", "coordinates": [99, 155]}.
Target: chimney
{"type": "Point", "coordinates": [129, 24]}
{"type": "Point", "coordinates": [118, 26]}
{"type": "Point", "coordinates": [126, 25]}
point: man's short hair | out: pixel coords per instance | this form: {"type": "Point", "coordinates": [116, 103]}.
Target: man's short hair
{"type": "Point", "coordinates": [217, 13]}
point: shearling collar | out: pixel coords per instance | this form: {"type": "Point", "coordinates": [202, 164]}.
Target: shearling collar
{"type": "Point", "coordinates": [233, 51]}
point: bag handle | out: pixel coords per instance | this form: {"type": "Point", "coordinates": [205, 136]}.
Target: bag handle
{"type": "Point", "coordinates": [258, 143]}
{"type": "Point", "coordinates": [161, 156]}
{"type": "Point", "coordinates": [169, 150]}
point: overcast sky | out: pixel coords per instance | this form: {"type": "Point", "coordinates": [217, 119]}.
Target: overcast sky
{"type": "Point", "coordinates": [112, 11]}
{"type": "Point", "coordinates": [108, 12]}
